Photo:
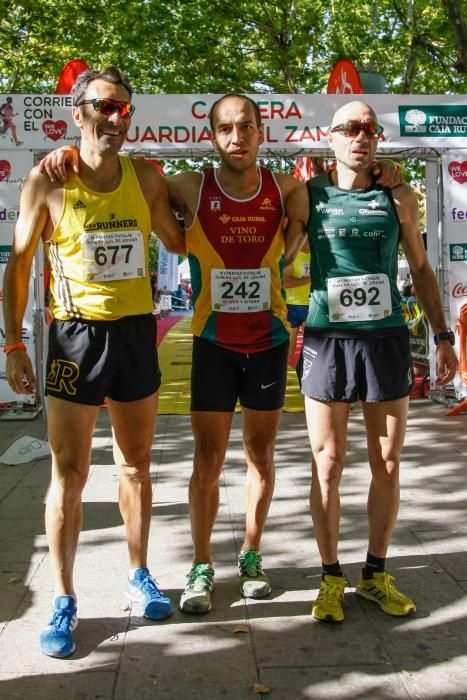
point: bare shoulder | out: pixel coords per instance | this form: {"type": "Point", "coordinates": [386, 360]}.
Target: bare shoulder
{"type": "Point", "coordinates": [145, 170]}
{"type": "Point", "coordinates": [186, 181]}
{"type": "Point", "coordinates": [297, 204]}
{"type": "Point", "coordinates": [404, 194]}
{"type": "Point", "coordinates": [184, 188]}
{"type": "Point", "coordinates": [152, 182]}
{"type": "Point", "coordinates": [40, 182]}
{"type": "Point", "coordinates": [39, 191]}
{"type": "Point", "coordinates": [406, 203]}
{"type": "Point", "coordinates": [287, 183]}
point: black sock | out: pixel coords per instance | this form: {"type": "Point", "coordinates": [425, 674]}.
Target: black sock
{"type": "Point", "coordinates": [332, 569]}
{"type": "Point", "coordinates": [373, 565]}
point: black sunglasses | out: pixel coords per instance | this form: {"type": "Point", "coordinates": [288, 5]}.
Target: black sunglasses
{"type": "Point", "coordinates": [353, 128]}
{"type": "Point", "coordinates": [107, 106]}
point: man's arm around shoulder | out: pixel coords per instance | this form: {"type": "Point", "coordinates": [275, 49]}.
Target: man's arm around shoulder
{"type": "Point", "coordinates": [163, 221]}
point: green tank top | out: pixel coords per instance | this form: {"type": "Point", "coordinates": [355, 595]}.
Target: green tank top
{"type": "Point", "coordinates": [354, 239]}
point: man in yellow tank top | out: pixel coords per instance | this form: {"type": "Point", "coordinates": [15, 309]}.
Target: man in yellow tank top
{"type": "Point", "coordinates": [297, 283]}
{"type": "Point", "coordinates": [95, 230]}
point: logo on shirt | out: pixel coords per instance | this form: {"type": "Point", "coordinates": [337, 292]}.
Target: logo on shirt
{"type": "Point", "coordinates": [214, 203]}
{"type": "Point", "coordinates": [321, 208]}
{"type": "Point", "coordinates": [373, 204]}
{"type": "Point", "coordinates": [224, 218]}
{"type": "Point", "coordinates": [79, 205]}
{"type": "Point", "coordinates": [267, 205]}
{"type": "Point", "coordinates": [373, 212]}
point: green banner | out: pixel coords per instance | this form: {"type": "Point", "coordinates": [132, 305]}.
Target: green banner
{"type": "Point", "coordinates": [433, 120]}
{"type": "Point", "coordinates": [5, 252]}
{"type": "Point", "coordinates": [458, 251]}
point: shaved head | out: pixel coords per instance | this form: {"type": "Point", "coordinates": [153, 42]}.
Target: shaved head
{"type": "Point", "coordinates": [353, 110]}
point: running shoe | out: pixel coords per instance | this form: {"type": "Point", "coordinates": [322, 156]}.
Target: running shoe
{"type": "Point", "coordinates": [57, 638]}
{"type": "Point", "coordinates": [329, 604]}
{"type": "Point", "coordinates": [253, 581]}
{"type": "Point", "coordinates": [196, 598]}
{"type": "Point", "coordinates": [143, 589]}
{"type": "Point", "coordinates": [381, 589]}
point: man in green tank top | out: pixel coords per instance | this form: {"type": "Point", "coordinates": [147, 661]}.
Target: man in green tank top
{"type": "Point", "coordinates": [356, 345]}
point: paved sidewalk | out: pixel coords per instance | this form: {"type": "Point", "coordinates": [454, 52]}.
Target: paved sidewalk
{"type": "Point", "coordinates": [273, 642]}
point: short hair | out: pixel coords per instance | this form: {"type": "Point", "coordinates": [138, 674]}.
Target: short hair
{"type": "Point", "coordinates": [234, 94]}
{"type": "Point", "coordinates": [110, 74]}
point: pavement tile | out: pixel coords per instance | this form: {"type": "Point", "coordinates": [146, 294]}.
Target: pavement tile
{"type": "Point", "coordinates": [332, 680]}
{"type": "Point", "coordinates": [121, 655]}
{"type": "Point", "coordinates": [58, 683]}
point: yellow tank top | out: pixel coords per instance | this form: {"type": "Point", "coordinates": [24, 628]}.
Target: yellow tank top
{"type": "Point", "coordinates": [98, 252]}
{"type": "Point", "coordinates": [300, 268]}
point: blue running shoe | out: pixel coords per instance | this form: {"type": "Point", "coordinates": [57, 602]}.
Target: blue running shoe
{"type": "Point", "coordinates": [143, 589]}
{"type": "Point", "coordinates": [57, 639]}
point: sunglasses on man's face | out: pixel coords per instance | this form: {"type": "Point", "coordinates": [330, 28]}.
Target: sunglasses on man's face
{"type": "Point", "coordinates": [353, 128]}
{"type": "Point", "coordinates": [107, 106]}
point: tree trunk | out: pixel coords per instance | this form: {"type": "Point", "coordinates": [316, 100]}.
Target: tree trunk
{"type": "Point", "coordinates": [459, 29]}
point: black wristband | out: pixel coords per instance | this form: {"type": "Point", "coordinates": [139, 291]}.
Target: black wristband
{"type": "Point", "coordinates": [445, 335]}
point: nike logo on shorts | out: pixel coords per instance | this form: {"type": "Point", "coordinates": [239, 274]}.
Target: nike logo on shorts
{"type": "Point", "coordinates": [266, 386]}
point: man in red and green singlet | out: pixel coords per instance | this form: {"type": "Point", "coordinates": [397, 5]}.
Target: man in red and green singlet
{"type": "Point", "coordinates": [234, 231]}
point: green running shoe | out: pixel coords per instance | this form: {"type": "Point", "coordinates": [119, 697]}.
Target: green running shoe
{"type": "Point", "coordinates": [381, 589]}
{"type": "Point", "coordinates": [196, 598]}
{"type": "Point", "coordinates": [329, 604]}
{"type": "Point", "coordinates": [253, 581]}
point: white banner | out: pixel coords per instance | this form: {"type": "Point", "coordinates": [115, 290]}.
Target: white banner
{"type": "Point", "coordinates": [455, 232]}
{"type": "Point", "coordinates": [167, 270]}
{"type": "Point", "coordinates": [168, 125]}
{"type": "Point", "coordinates": [13, 168]}
{"type": "Point", "coordinates": [178, 126]}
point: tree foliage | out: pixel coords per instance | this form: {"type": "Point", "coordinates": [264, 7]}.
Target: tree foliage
{"type": "Point", "coordinates": [197, 46]}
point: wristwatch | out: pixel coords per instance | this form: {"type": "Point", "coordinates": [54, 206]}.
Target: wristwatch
{"type": "Point", "coordinates": [445, 335]}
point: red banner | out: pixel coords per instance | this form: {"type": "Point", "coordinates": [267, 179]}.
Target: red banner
{"type": "Point", "coordinates": [344, 78]}
{"type": "Point", "coordinates": [68, 75]}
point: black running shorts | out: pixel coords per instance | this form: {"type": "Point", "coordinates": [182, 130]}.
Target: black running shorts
{"type": "Point", "coordinates": [219, 377]}
{"type": "Point", "coordinates": [91, 360]}
{"type": "Point", "coordinates": [373, 368]}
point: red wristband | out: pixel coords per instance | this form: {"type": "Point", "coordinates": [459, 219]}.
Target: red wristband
{"type": "Point", "coordinates": [14, 346]}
